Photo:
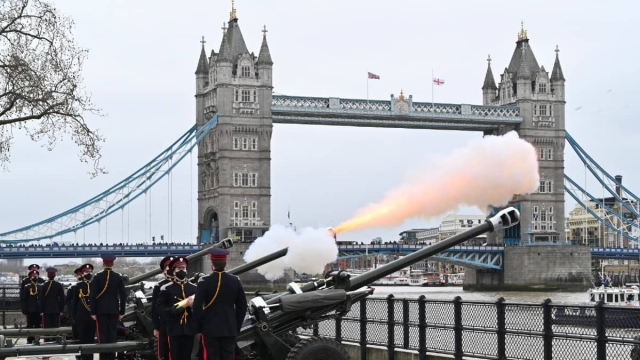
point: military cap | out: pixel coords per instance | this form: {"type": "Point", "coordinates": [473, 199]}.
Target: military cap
{"type": "Point", "coordinates": [33, 272]}
{"type": "Point", "coordinates": [178, 261]}
{"type": "Point", "coordinates": [51, 271]}
{"type": "Point", "coordinates": [218, 254]}
{"type": "Point", "coordinates": [166, 261]}
{"type": "Point", "coordinates": [108, 259]}
{"type": "Point", "coordinates": [33, 267]}
{"type": "Point", "coordinates": [85, 267]}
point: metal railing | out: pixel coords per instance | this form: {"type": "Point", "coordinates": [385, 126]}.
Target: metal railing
{"type": "Point", "coordinates": [487, 330]}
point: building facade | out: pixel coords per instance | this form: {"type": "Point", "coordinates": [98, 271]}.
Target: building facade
{"type": "Point", "coordinates": [540, 95]}
{"type": "Point", "coordinates": [234, 172]}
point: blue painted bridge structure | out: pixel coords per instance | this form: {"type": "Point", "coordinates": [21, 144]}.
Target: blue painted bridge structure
{"type": "Point", "coordinates": [478, 257]}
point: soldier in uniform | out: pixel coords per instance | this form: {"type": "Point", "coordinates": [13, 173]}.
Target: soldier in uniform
{"type": "Point", "coordinates": [181, 325]}
{"type": "Point", "coordinates": [51, 300]}
{"type": "Point", "coordinates": [81, 309]}
{"type": "Point", "coordinates": [159, 322]}
{"type": "Point", "coordinates": [68, 302]}
{"type": "Point", "coordinates": [107, 298]}
{"type": "Point", "coordinates": [29, 302]}
{"type": "Point", "coordinates": [27, 280]}
{"type": "Point", "coordinates": [219, 307]}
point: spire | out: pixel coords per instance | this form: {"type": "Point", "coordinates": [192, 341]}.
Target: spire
{"type": "Point", "coordinates": [203, 64]}
{"type": "Point", "coordinates": [224, 53]}
{"type": "Point", "coordinates": [523, 33]}
{"type": "Point", "coordinates": [232, 14]}
{"type": "Point", "coordinates": [265, 56]}
{"type": "Point", "coordinates": [524, 72]}
{"type": "Point", "coordinates": [556, 73]}
{"type": "Point", "coordinates": [489, 82]}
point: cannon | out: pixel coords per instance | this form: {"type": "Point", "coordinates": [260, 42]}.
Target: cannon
{"type": "Point", "coordinates": [268, 332]}
{"type": "Point", "coordinates": [269, 328]}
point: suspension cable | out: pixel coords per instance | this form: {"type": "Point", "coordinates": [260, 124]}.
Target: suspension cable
{"type": "Point", "coordinates": [145, 216]}
{"type": "Point", "coordinates": [191, 196]}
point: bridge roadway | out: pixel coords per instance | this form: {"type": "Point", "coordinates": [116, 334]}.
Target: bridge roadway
{"type": "Point", "coordinates": [480, 257]}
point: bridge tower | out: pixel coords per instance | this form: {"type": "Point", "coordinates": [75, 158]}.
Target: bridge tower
{"type": "Point", "coordinates": [234, 173]}
{"type": "Point", "coordinates": [541, 99]}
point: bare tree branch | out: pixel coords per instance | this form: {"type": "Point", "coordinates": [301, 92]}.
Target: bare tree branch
{"type": "Point", "coordinates": [41, 92]}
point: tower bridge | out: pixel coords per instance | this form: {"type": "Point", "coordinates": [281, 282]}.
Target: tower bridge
{"type": "Point", "coordinates": [236, 110]}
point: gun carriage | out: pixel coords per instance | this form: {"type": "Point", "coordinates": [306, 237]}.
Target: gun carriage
{"type": "Point", "coordinates": [268, 331]}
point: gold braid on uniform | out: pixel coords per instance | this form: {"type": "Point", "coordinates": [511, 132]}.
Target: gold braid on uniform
{"type": "Point", "coordinates": [217, 290]}
{"type": "Point", "coordinates": [183, 319]}
{"type": "Point", "coordinates": [49, 288]}
{"type": "Point", "coordinates": [82, 296]}
{"type": "Point", "coordinates": [106, 283]}
{"type": "Point", "coordinates": [35, 287]}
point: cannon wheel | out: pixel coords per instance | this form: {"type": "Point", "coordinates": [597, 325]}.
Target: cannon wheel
{"type": "Point", "coordinates": [318, 348]}
{"type": "Point", "coordinates": [290, 339]}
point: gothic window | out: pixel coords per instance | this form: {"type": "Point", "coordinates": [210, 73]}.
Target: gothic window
{"type": "Point", "coordinates": [236, 179]}
{"type": "Point", "coordinates": [236, 143]}
{"type": "Point", "coordinates": [254, 180]}
{"type": "Point", "coordinates": [543, 215]}
{"type": "Point", "coordinates": [236, 93]}
{"type": "Point", "coordinates": [245, 143]}
{"type": "Point", "coordinates": [546, 186]}
{"type": "Point", "coordinates": [245, 179]}
{"type": "Point", "coordinates": [254, 143]}
{"type": "Point", "coordinates": [246, 95]}
{"type": "Point", "coordinates": [542, 88]}
{"type": "Point", "coordinates": [245, 212]}
{"type": "Point", "coordinates": [535, 209]}
{"type": "Point", "coordinates": [535, 110]}
{"type": "Point", "coordinates": [254, 205]}
{"type": "Point", "coordinates": [255, 96]}
{"type": "Point", "coordinates": [254, 215]}
{"type": "Point", "coordinates": [246, 71]}
{"type": "Point", "coordinates": [236, 204]}
{"type": "Point", "coordinates": [549, 154]}
{"type": "Point", "coordinates": [550, 209]}
{"type": "Point", "coordinates": [542, 110]}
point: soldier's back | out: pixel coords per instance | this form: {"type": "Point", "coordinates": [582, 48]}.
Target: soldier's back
{"type": "Point", "coordinates": [104, 292]}
{"type": "Point", "coordinates": [223, 304]}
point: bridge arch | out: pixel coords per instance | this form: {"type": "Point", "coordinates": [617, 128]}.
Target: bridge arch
{"type": "Point", "coordinates": [210, 226]}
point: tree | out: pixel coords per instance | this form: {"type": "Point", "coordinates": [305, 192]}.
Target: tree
{"type": "Point", "coordinates": [41, 90]}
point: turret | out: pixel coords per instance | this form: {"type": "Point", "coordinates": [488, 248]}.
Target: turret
{"type": "Point", "coordinates": [264, 63]}
{"type": "Point", "coordinates": [202, 75]}
{"type": "Point", "coordinates": [557, 78]}
{"type": "Point", "coordinates": [523, 80]}
{"type": "Point", "coordinates": [224, 65]}
{"type": "Point", "coordinates": [489, 88]}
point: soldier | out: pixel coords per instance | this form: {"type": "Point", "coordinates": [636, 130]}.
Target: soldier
{"type": "Point", "coordinates": [219, 307]}
{"type": "Point", "coordinates": [68, 301]}
{"type": "Point", "coordinates": [159, 323]}
{"type": "Point", "coordinates": [107, 298]}
{"type": "Point", "coordinates": [51, 300]}
{"type": "Point", "coordinates": [81, 309]}
{"type": "Point", "coordinates": [181, 325]}
{"type": "Point", "coordinates": [27, 280]}
{"type": "Point", "coordinates": [29, 302]}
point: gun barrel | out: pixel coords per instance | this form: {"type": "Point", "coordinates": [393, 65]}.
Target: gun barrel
{"type": "Point", "coordinates": [72, 349]}
{"type": "Point", "coordinates": [505, 218]}
{"type": "Point", "coordinates": [226, 244]}
{"type": "Point", "coordinates": [258, 262]}
{"type": "Point", "coordinates": [20, 332]}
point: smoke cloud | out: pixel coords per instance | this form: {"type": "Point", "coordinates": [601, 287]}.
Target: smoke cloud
{"type": "Point", "coordinates": [309, 251]}
{"type": "Point", "coordinates": [487, 172]}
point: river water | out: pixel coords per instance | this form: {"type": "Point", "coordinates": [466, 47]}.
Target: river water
{"type": "Point", "coordinates": [450, 292]}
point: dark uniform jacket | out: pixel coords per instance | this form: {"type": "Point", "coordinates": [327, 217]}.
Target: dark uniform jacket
{"type": "Point", "coordinates": [69, 297]}
{"type": "Point", "coordinates": [26, 281]}
{"type": "Point", "coordinates": [178, 321]}
{"type": "Point", "coordinates": [29, 298]}
{"type": "Point", "coordinates": [51, 297]}
{"type": "Point", "coordinates": [104, 293]}
{"type": "Point", "coordinates": [158, 320]}
{"type": "Point", "coordinates": [80, 303]}
{"type": "Point", "coordinates": [225, 315]}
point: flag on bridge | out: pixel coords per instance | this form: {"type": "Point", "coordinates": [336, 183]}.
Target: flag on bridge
{"type": "Point", "coordinates": [373, 76]}
{"type": "Point", "coordinates": [438, 81]}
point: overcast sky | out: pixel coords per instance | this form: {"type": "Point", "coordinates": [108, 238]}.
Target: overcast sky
{"type": "Point", "coordinates": [141, 65]}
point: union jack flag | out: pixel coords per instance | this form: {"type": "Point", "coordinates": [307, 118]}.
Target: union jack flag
{"type": "Point", "coordinates": [373, 76]}
{"type": "Point", "coordinates": [438, 81]}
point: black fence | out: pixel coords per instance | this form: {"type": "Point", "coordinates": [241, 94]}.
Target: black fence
{"type": "Point", "coordinates": [488, 330]}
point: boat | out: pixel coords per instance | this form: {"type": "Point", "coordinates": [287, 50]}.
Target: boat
{"type": "Point", "coordinates": [398, 278]}
{"type": "Point", "coordinates": [626, 298]}
{"type": "Point", "coordinates": [454, 279]}
{"type": "Point", "coordinates": [426, 279]}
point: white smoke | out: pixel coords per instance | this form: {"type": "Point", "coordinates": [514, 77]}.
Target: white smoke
{"type": "Point", "coordinates": [309, 251]}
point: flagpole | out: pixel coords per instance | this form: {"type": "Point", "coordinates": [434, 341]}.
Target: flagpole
{"type": "Point", "coordinates": [432, 107]}
{"type": "Point", "coordinates": [367, 89]}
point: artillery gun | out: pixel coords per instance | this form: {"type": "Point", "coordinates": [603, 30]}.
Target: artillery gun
{"type": "Point", "coordinates": [268, 331]}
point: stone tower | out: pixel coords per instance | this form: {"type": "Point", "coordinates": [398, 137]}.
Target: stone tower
{"type": "Point", "coordinates": [234, 173]}
{"type": "Point", "coordinates": [541, 99]}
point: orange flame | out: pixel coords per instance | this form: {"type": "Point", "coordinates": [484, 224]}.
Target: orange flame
{"type": "Point", "coordinates": [488, 172]}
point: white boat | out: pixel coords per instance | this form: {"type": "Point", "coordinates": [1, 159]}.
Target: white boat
{"type": "Point", "coordinates": [454, 279]}
{"type": "Point", "coordinates": [398, 278]}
